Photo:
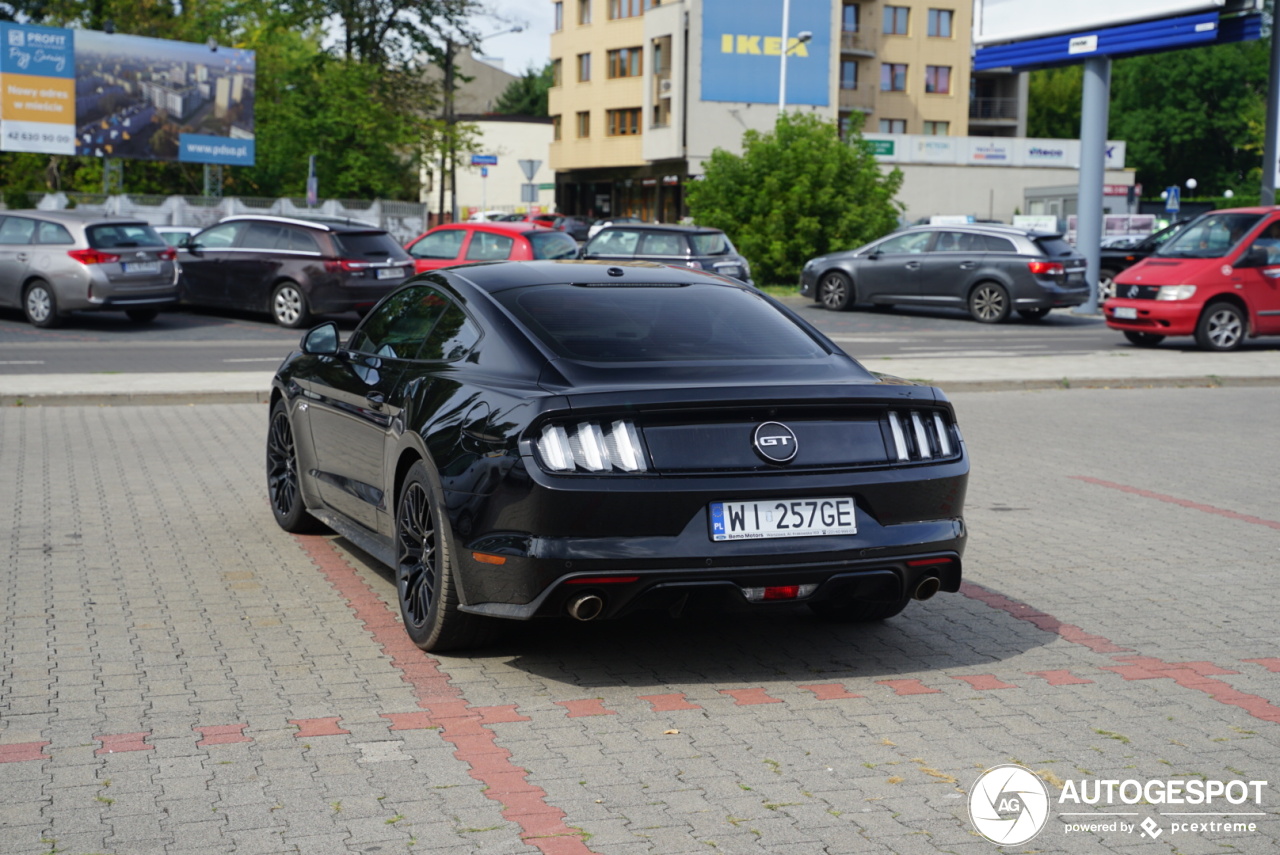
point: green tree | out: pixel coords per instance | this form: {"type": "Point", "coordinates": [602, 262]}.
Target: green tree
{"type": "Point", "coordinates": [1053, 102]}
{"type": "Point", "coordinates": [527, 94]}
{"type": "Point", "coordinates": [794, 193]}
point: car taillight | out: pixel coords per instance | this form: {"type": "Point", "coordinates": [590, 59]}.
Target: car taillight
{"type": "Point", "coordinates": [1045, 268]}
{"type": "Point", "coordinates": [345, 265]}
{"type": "Point", "coordinates": [592, 447]}
{"type": "Point", "coordinates": [92, 256]}
{"type": "Point", "coordinates": [170, 254]}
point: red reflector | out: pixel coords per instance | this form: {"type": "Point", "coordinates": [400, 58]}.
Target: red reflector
{"type": "Point", "coordinates": [602, 580]}
{"type": "Point", "coordinates": [1045, 268]}
{"type": "Point", "coordinates": [782, 592]}
{"type": "Point", "coordinates": [925, 562]}
{"type": "Point", "coordinates": [92, 256]}
{"type": "Point", "coordinates": [486, 558]}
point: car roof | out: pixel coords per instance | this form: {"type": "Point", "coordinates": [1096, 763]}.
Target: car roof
{"type": "Point", "coordinates": [75, 217]}
{"type": "Point", "coordinates": [983, 228]}
{"type": "Point", "coordinates": [498, 276]}
{"type": "Point", "coordinates": [664, 227]}
{"type": "Point", "coordinates": [327, 224]}
{"type": "Point", "coordinates": [515, 226]}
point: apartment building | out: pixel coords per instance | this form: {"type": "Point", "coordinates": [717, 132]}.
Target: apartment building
{"type": "Point", "coordinates": [646, 89]}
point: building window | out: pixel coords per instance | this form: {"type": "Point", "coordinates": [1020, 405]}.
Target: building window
{"type": "Point", "coordinates": [893, 77]}
{"type": "Point", "coordinates": [895, 20]}
{"type": "Point", "coordinates": [630, 8]}
{"type": "Point", "coordinates": [584, 124]}
{"type": "Point", "coordinates": [624, 123]}
{"type": "Point", "coordinates": [940, 23]}
{"type": "Point", "coordinates": [584, 11]}
{"type": "Point", "coordinates": [555, 127]}
{"type": "Point", "coordinates": [584, 67]}
{"type": "Point", "coordinates": [937, 129]}
{"type": "Point", "coordinates": [937, 79]}
{"type": "Point", "coordinates": [625, 62]}
{"type": "Point", "coordinates": [849, 17]}
{"type": "Point", "coordinates": [848, 74]}
{"type": "Point", "coordinates": [555, 72]}
{"type": "Point", "coordinates": [893, 126]}
{"type": "Point", "coordinates": [559, 16]}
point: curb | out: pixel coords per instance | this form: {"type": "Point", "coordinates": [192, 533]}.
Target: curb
{"type": "Point", "coordinates": [175, 399]}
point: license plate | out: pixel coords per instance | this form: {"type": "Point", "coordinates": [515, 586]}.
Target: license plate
{"type": "Point", "coordinates": [729, 271]}
{"type": "Point", "coordinates": [1126, 313]}
{"type": "Point", "coordinates": [782, 518]}
{"type": "Point", "coordinates": [141, 266]}
{"type": "Point", "coordinates": [390, 272]}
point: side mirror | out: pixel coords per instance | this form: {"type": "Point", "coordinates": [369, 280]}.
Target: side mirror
{"type": "Point", "coordinates": [874, 254]}
{"type": "Point", "coordinates": [1255, 256]}
{"type": "Point", "coordinates": [321, 341]}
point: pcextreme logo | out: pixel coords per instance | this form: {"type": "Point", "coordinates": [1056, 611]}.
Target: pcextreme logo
{"type": "Point", "coordinates": [761, 45]}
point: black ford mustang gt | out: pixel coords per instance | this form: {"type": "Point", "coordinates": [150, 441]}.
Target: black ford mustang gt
{"type": "Point", "coordinates": [531, 439]}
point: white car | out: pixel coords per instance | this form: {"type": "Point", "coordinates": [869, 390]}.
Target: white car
{"type": "Point", "coordinates": [616, 221]}
{"type": "Point", "coordinates": [486, 216]}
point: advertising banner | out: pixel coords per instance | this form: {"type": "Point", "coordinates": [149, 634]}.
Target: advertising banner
{"type": "Point", "coordinates": [989, 151]}
{"type": "Point", "coordinates": [933, 149]}
{"type": "Point", "coordinates": [37, 89]}
{"type": "Point", "coordinates": [97, 94]}
{"type": "Point", "coordinates": [742, 51]}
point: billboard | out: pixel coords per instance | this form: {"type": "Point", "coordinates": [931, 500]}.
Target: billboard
{"type": "Point", "coordinates": [97, 94]}
{"type": "Point", "coordinates": [1014, 20]}
{"type": "Point", "coordinates": [742, 51]}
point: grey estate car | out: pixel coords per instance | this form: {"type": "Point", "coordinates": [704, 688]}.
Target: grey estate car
{"type": "Point", "coordinates": [56, 262]}
{"type": "Point", "coordinates": [989, 270]}
{"type": "Point", "coordinates": [684, 246]}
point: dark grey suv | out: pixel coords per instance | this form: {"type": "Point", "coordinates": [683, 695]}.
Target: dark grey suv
{"type": "Point", "coordinates": [684, 246]}
{"type": "Point", "coordinates": [988, 270]}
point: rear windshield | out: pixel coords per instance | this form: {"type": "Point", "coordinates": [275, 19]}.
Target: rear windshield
{"type": "Point", "coordinates": [119, 235]}
{"type": "Point", "coordinates": [1211, 236]}
{"type": "Point", "coordinates": [553, 245]}
{"type": "Point", "coordinates": [658, 323]}
{"type": "Point", "coordinates": [713, 243]}
{"type": "Point", "coordinates": [1055, 247]}
{"type": "Point", "coordinates": [375, 245]}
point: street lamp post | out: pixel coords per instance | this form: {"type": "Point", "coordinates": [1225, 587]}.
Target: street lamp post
{"type": "Point", "coordinates": [801, 38]}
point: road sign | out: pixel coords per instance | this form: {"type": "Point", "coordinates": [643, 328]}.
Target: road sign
{"type": "Point", "coordinates": [484, 160]}
{"type": "Point", "coordinates": [530, 168]}
{"type": "Point", "coordinates": [484, 172]}
{"type": "Point", "coordinates": [528, 192]}
{"type": "Point", "coordinates": [1173, 201]}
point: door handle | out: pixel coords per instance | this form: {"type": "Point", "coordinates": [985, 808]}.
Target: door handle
{"type": "Point", "coordinates": [968, 265]}
{"type": "Point", "coordinates": [376, 399]}
{"type": "Point", "coordinates": [913, 265]}
{"type": "Point", "coordinates": [22, 256]}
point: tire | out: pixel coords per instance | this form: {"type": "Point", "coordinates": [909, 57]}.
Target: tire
{"type": "Point", "coordinates": [835, 291]}
{"type": "Point", "coordinates": [289, 305]}
{"type": "Point", "coordinates": [284, 491]}
{"type": "Point", "coordinates": [1106, 285]}
{"type": "Point", "coordinates": [1143, 339]}
{"type": "Point", "coordinates": [425, 583]}
{"type": "Point", "coordinates": [1222, 327]}
{"type": "Point", "coordinates": [142, 316]}
{"type": "Point", "coordinates": [40, 305]}
{"type": "Point", "coordinates": [1034, 314]}
{"type": "Point", "coordinates": [989, 303]}
{"type": "Point", "coordinates": [858, 611]}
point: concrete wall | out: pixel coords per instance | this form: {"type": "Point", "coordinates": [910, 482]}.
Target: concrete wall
{"type": "Point", "coordinates": [985, 192]}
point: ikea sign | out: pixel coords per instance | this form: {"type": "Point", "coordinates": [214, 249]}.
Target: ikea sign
{"type": "Point", "coordinates": [742, 51]}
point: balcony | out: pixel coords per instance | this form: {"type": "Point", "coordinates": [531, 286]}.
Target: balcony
{"type": "Point", "coordinates": [858, 43]}
{"type": "Point", "coordinates": [994, 109]}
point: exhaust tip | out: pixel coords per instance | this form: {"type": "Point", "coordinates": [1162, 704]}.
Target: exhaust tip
{"type": "Point", "coordinates": [928, 586]}
{"type": "Point", "coordinates": [586, 607]}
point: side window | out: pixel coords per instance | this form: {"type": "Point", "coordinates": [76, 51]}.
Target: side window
{"type": "Point", "coordinates": [262, 236]}
{"type": "Point", "coordinates": [398, 327]}
{"type": "Point", "coordinates": [615, 242]}
{"type": "Point", "coordinates": [908, 243]}
{"type": "Point", "coordinates": [998, 244]}
{"type": "Point", "coordinates": [297, 240]}
{"type": "Point", "coordinates": [220, 236]}
{"type": "Point", "coordinates": [17, 230]}
{"type": "Point", "coordinates": [949, 242]}
{"type": "Point", "coordinates": [446, 243]}
{"type": "Point", "coordinates": [452, 337]}
{"type": "Point", "coordinates": [657, 243]}
{"type": "Point", "coordinates": [53, 233]}
{"type": "Point", "coordinates": [486, 246]}
{"type": "Point", "coordinates": [1269, 240]}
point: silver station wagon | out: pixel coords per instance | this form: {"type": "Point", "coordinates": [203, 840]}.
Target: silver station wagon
{"type": "Point", "coordinates": [53, 263]}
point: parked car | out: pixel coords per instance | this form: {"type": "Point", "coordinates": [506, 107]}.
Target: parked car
{"type": "Point", "coordinates": [1115, 259]}
{"type": "Point", "coordinates": [529, 440]}
{"type": "Point", "coordinates": [989, 270]}
{"type": "Point", "coordinates": [461, 243]}
{"type": "Point", "coordinates": [53, 263]}
{"type": "Point", "coordinates": [1218, 279]}
{"type": "Point", "coordinates": [685, 246]}
{"type": "Point", "coordinates": [176, 235]}
{"type": "Point", "coordinates": [291, 267]}
{"type": "Point", "coordinates": [611, 221]}
{"type": "Point", "coordinates": [577, 228]}
{"type": "Point", "coordinates": [487, 216]}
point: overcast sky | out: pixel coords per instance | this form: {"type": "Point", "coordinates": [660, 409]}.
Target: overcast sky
{"type": "Point", "coordinates": [517, 51]}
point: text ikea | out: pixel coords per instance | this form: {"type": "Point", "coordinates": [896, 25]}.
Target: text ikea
{"type": "Point", "coordinates": [761, 45]}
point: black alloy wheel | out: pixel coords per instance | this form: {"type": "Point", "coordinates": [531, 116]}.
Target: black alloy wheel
{"type": "Point", "coordinates": [1143, 339]}
{"type": "Point", "coordinates": [835, 291]}
{"type": "Point", "coordinates": [283, 488]}
{"type": "Point", "coordinates": [1222, 327]}
{"type": "Point", "coordinates": [989, 303]}
{"type": "Point", "coordinates": [424, 580]}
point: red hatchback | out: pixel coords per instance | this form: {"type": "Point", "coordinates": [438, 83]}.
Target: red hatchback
{"type": "Point", "coordinates": [462, 243]}
{"type": "Point", "coordinates": [1218, 280]}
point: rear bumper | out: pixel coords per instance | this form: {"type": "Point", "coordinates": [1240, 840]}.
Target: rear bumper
{"type": "Point", "coordinates": [1050, 295]}
{"type": "Point", "coordinates": [1159, 317]}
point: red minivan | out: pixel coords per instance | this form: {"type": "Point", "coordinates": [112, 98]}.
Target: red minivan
{"type": "Point", "coordinates": [1218, 280]}
{"type": "Point", "coordinates": [462, 243]}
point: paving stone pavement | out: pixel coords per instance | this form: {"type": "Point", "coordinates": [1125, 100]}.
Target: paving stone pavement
{"type": "Point", "coordinates": [179, 676]}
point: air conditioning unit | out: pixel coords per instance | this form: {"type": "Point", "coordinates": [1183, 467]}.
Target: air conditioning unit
{"type": "Point", "coordinates": [665, 87]}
